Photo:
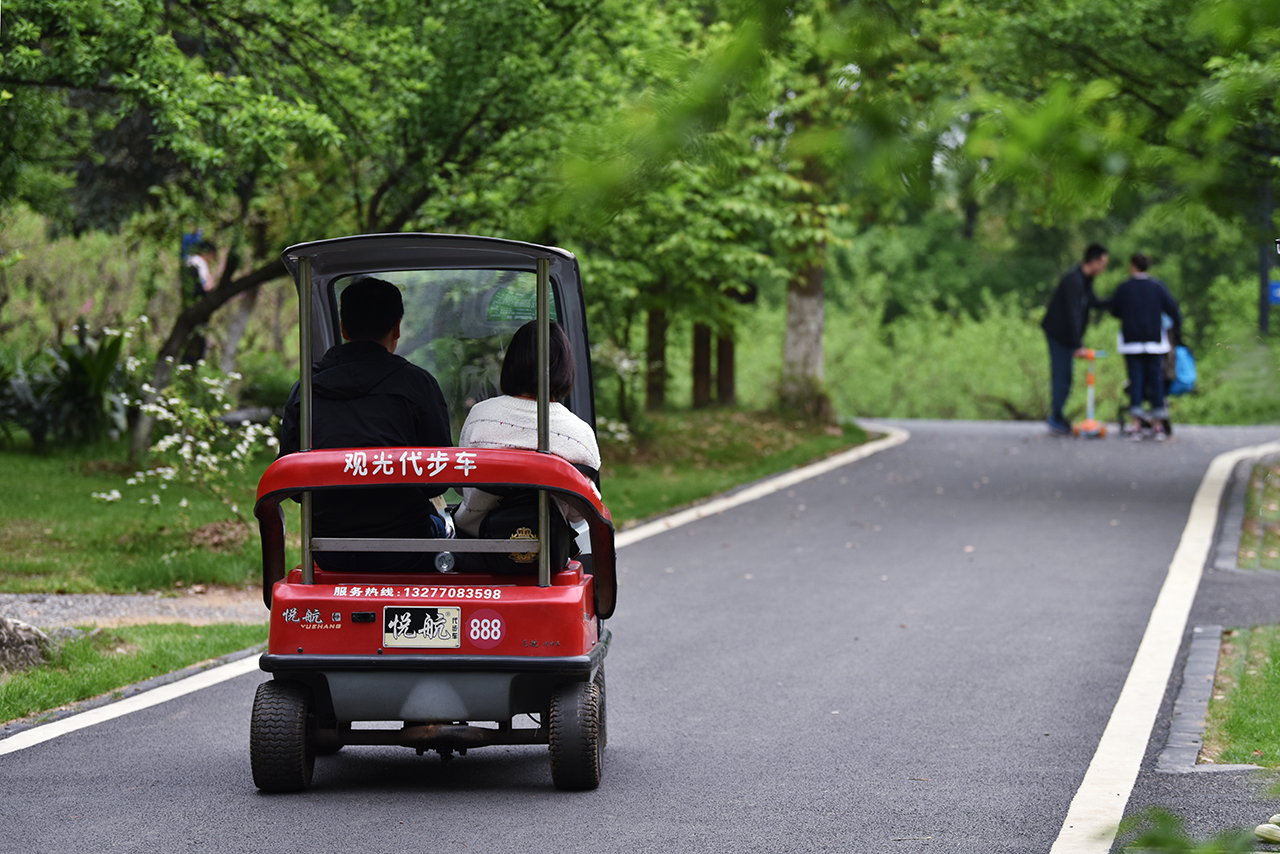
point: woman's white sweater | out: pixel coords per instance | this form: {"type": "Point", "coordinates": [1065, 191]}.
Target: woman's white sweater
{"type": "Point", "coordinates": [507, 422]}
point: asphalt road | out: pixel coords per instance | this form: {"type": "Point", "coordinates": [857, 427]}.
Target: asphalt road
{"type": "Point", "coordinates": [916, 652]}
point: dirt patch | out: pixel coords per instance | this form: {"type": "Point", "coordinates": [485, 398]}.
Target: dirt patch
{"type": "Point", "coordinates": [213, 605]}
{"type": "Point", "coordinates": [224, 536]}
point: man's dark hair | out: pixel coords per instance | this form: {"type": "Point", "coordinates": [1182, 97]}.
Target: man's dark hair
{"type": "Point", "coordinates": [1094, 251]}
{"type": "Point", "coordinates": [369, 309]}
{"type": "Point", "coordinates": [520, 365]}
{"type": "Point", "coordinates": [1139, 262]}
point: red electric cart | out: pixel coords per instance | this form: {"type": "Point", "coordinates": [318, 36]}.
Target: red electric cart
{"type": "Point", "coordinates": [502, 644]}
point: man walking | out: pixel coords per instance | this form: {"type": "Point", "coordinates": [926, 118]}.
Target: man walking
{"type": "Point", "coordinates": [1065, 321]}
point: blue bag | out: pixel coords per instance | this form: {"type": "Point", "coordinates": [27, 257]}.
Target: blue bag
{"type": "Point", "coordinates": [1184, 368]}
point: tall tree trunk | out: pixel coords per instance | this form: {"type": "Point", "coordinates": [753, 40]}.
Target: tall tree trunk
{"type": "Point", "coordinates": [1266, 212]}
{"type": "Point", "coordinates": [655, 368]}
{"type": "Point", "coordinates": [235, 331]}
{"type": "Point", "coordinates": [186, 323]}
{"type": "Point", "coordinates": [701, 365]}
{"type": "Point", "coordinates": [802, 390]}
{"type": "Point", "coordinates": [726, 380]}
{"type": "Point", "coordinates": [655, 352]}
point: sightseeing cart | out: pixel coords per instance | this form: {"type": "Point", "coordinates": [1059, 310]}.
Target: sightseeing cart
{"type": "Point", "coordinates": [505, 641]}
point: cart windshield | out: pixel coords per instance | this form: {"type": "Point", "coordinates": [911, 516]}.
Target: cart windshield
{"type": "Point", "coordinates": [457, 324]}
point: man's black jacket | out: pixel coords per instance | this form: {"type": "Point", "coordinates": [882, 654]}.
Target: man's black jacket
{"type": "Point", "coordinates": [367, 397]}
{"type": "Point", "coordinates": [1067, 316]}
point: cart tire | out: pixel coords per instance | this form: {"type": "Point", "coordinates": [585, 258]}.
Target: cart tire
{"type": "Point", "coordinates": [576, 745]}
{"type": "Point", "coordinates": [604, 728]}
{"type": "Point", "coordinates": [281, 748]}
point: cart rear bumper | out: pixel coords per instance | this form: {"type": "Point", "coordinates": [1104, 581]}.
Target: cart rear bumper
{"type": "Point", "coordinates": [433, 688]}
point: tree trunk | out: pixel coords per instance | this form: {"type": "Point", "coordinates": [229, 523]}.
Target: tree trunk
{"type": "Point", "coordinates": [701, 365]}
{"type": "Point", "coordinates": [1266, 213]}
{"type": "Point", "coordinates": [235, 331]}
{"type": "Point", "coordinates": [726, 381]}
{"type": "Point", "coordinates": [192, 316]}
{"type": "Point", "coordinates": [802, 389]}
{"type": "Point", "coordinates": [655, 370]}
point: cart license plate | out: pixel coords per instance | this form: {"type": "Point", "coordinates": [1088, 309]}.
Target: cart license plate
{"type": "Point", "coordinates": [421, 627]}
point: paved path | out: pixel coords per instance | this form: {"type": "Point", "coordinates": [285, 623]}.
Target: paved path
{"type": "Point", "coordinates": [917, 652]}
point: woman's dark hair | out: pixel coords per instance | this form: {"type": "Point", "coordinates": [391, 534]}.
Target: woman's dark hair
{"type": "Point", "coordinates": [1140, 262]}
{"type": "Point", "coordinates": [370, 308]}
{"type": "Point", "coordinates": [520, 365]}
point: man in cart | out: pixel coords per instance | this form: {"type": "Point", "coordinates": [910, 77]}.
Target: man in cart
{"type": "Point", "coordinates": [366, 396]}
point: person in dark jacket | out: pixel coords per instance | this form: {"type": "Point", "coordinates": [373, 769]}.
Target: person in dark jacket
{"type": "Point", "coordinates": [1065, 321]}
{"type": "Point", "coordinates": [1141, 303]}
{"type": "Point", "coordinates": [365, 396]}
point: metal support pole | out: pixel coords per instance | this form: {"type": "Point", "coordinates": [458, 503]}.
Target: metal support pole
{"type": "Point", "coordinates": [544, 416]}
{"type": "Point", "coordinates": [304, 408]}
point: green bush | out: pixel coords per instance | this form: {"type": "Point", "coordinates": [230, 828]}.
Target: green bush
{"type": "Point", "coordinates": [267, 380]}
{"type": "Point", "coordinates": [75, 393]}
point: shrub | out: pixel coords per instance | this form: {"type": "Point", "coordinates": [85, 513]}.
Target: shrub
{"type": "Point", "coordinates": [197, 446]}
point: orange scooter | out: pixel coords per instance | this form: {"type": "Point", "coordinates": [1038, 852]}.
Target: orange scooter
{"type": "Point", "coordinates": [1090, 427]}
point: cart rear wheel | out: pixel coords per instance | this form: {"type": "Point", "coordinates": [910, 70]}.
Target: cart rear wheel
{"type": "Point", "coordinates": [281, 749]}
{"type": "Point", "coordinates": [577, 743]}
{"type": "Point", "coordinates": [604, 729]}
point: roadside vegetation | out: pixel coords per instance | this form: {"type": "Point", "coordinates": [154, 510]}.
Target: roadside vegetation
{"type": "Point", "coordinates": [101, 661]}
{"type": "Point", "coordinates": [1242, 711]}
{"type": "Point", "coordinates": [1240, 722]}
{"type": "Point", "coordinates": [1260, 532]}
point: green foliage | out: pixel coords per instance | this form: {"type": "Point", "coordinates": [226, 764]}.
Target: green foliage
{"type": "Point", "coordinates": [74, 394]}
{"type": "Point", "coordinates": [1240, 722]}
{"type": "Point", "coordinates": [1157, 830]}
{"type": "Point", "coordinates": [103, 660]}
{"type": "Point", "coordinates": [198, 448]}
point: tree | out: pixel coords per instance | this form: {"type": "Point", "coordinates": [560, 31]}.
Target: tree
{"type": "Point", "coordinates": [1089, 107]}
{"type": "Point", "coordinates": [308, 117]}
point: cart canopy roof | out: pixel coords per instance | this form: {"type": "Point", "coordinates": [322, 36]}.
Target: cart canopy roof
{"type": "Point", "coordinates": [464, 297]}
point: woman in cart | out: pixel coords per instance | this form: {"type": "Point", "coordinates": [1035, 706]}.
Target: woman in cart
{"type": "Point", "coordinates": [510, 421]}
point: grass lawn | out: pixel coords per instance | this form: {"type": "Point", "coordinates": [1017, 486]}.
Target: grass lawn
{"type": "Point", "coordinates": [1241, 720]}
{"type": "Point", "coordinates": [55, 537]}
{"type": "Point", "coordinates": [107, 659]}
{"type": "Point", "coordinates": [686, 458]}
{"type": "Point", "coordinates": [1260, 535]}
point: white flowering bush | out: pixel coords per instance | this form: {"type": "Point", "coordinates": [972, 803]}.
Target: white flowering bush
{"type": "Point", "coordinates": [198, 446]}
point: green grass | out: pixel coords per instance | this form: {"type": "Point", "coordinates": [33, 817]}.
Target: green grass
{"type": "Point", "coordinates": [105, 660]}
{"type": "Point", "coordinates": [1241, 721]}
{"type": "Point", "coordinates": [54, 537]}
{"type": "Point", "coordinates": [1260, 533]}
{"type": "Point", "coordinates": [685, 458]}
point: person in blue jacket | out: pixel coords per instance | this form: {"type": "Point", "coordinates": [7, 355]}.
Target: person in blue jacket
{"type": "Point", "coordinates": [1139, 302]}
{"type": "Point", "coordinates": [1065, 321]}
